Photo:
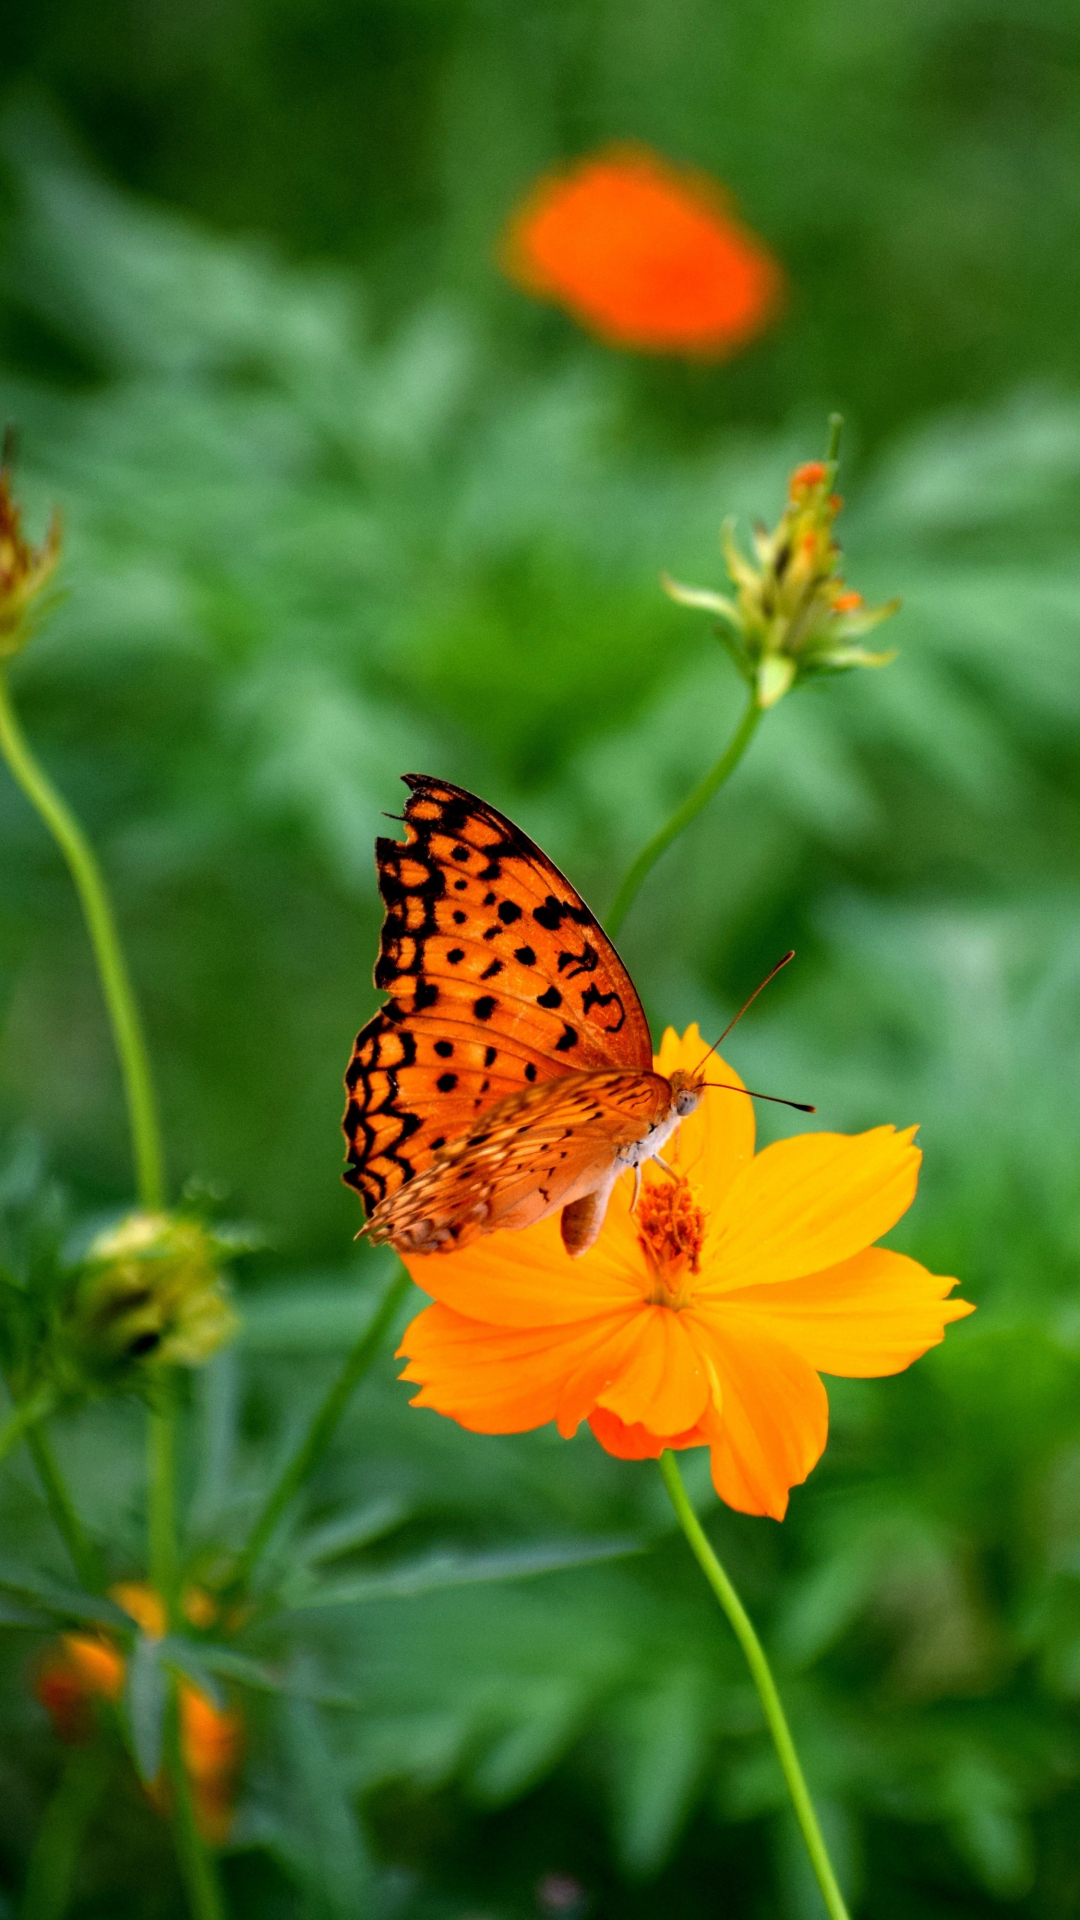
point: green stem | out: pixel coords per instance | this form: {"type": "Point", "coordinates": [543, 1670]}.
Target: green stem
{"type": "Point", "coordinates": [58, 1841]}
{"type": "Point", "coordinates": [198, 1868]}
{"type": "Point", "coordinates": [83, 1554]}
{"type": "Point", "coordinates": [689, 810]}
{"type": "Point", "coordinates": [112, 968]}
{"type": "Point", "coordinates": [25, 1413]}
{"type": "Point", "coordinates": [320, 1431]}
{"type": "Point", "coordinates": [161, 1502]}
{"type": "Point", "coordinates": [764, 1682]}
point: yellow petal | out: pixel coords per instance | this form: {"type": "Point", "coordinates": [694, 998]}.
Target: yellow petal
{"type": "Point", "coordinates": [716, 1142]}
{"type": "Point", "coordinates": [806, 1204]}
{"type": "Point", "coordinates": [662, 1384]}
{"type": "Point", "coordinates": [635, 1442]}
{"type": "Point", "coordinates": [873, 1314]}
{"type": "Point", "coordinates": [775, 1416]}
{"type": "Point", "coordinates": [527, 1278]}
{"type": "Point", "coordinates": [495, 1379]}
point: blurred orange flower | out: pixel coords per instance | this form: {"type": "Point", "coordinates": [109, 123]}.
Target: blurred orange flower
{"type": "Point", "coordinates": [702, 1319]}
{"type": "Point", "coordinates": [87, 1667]}
{"type": "Point", "coordinates": [646, 255]}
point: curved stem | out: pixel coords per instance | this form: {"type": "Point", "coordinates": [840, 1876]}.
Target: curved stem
{"type": "Point", "coordinates": [198, 1868]}
{"type": "Point", "coordinates": [690, 808]}
{"type": "Point", "coordinates": [83, 1553]}
{"type": "Point", "coordinates": [112, 968]}
{"type": "Point", "coordinates": [58, 1842]}
{"type": "Point", "coordinates": [320, 1430]}
{"type": "Point", "coordinates": [763, 1681]}
{"type": "Point", "coordinates": [25, 1413]}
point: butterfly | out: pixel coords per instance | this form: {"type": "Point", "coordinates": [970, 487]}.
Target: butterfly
{"type": "Point", "coordinates": [510, 1072]}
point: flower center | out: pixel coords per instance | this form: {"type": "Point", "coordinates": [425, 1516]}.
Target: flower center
{"type": "Point", "coordinates": [671, 1233]}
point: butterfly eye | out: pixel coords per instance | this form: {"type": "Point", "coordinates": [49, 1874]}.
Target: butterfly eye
{"type": "Point", "coordinates": [686, 1100]}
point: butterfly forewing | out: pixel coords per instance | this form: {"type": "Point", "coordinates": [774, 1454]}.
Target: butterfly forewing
{"type": "Point", "coordinates": [500, 978]}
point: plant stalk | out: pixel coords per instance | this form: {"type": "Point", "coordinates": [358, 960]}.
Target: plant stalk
{"type": "Point", "coordinates": [766, 1686]}
{"type": "Point", "coordinates": [70, 1528]}
{"type": "Point", "coordinates": [58, 1841]}
{"type": "Point", "coordinates": [198, 1868]}
{"type": "Point", "coordinates": [320, 1431]}
{"type": "Point", "coordinates": [25, 1413]}
{"type": "Point", "coordinates": [112, 968]}
{"type": "Point", "coordinates": [689, 810]}
{"type": "Point", "coordinates": [161, 1501]}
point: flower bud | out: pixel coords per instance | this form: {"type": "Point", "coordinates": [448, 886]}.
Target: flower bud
{"type": "Point", "coordinates": [151, 1294]}
{"type": "Point", "coordinates": [23, 569]}
{"type": "Point", "coordinates": [792, 615]}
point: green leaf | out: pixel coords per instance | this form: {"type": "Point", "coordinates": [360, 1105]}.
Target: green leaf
{"type": "Point", "coordinates": [65, 1603]}
{"type": "Point", "coordinates": [352, 1530]}
{"type": "Point", "coordinates": [336, 1864]}
{"type": "Point", "coordinates": [146, 1693]}
{"type": "Point", "coordinates": [439, 1570]}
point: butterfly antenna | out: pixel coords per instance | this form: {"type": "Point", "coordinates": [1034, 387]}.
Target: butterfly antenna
{"type": "Point", "coordinates": [721, 1086]}
{"type": "Point", "coordinates": [790, 955]}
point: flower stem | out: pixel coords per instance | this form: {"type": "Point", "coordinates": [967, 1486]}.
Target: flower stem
{"type": "Point", "coordinates": [83, 1554]}
{"type": "Point", "coordinates": [55, 1852]}
{"type": "Point", "coordinates": [112, 968]}
{"type": "Point", "coordinates": [689, 810]}
{"type": "Point", "coordinates": [198, 1868]}
{"type": "Point", "coordinates": [161, 1502]}
{"type": "Point", "coordinates": [25, 1413]}
{"type": "Point", "coordinates": [320, 1431]}
{"type": "Point", "coordinates": [764, 1682]}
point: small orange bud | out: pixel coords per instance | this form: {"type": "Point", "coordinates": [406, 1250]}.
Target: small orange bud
{"type": "Point", "coordinates": [23, 569]}
{"type": "Point", "coordinates": [809, 475]}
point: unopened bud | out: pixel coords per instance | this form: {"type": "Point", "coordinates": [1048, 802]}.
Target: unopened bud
{"type": "Point", "coordinates": [151, 1295]}
{"type": "Point", "coordinates": [792, 614]}
{"type": "Point", "coordinates": [23, 569]}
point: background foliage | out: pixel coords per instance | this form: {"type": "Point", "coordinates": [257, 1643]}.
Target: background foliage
{"type": "Point", "coordinates": [340, 504]}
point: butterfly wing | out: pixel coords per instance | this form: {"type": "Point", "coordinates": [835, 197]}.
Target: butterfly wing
{"type": "Point", "coordinates": [499, 978]}
{"type": "Point", "coordinates": [532, 1152]}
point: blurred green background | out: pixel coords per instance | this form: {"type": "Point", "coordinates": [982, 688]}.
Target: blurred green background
{"type": "Point", "coordinates": [339, 503]}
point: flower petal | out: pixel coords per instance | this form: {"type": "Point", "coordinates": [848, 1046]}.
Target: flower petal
{"type": "Point", "coordinates": [809, 1203]}
{"type": "Point", "coordinates": [527, 1278]}
{"type": "Point", "coordinates": [774, 1421]}
{"type": "Point", "coordinates": [635, 1442]}
{"type": "Point", "coordinates": [716, 1142]}
{"type": "Point", "coordinates": [873, 1314]}
{"type": "Point", "coordinates": [494, 1379]}
{"type": "Point", "coordinates": [663, 1383]}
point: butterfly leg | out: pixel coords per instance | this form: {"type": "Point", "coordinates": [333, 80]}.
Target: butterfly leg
{"type": "Point", "coordinates": [668, 1168]}
{"type": "Point", "coordinates": [637, 1189]}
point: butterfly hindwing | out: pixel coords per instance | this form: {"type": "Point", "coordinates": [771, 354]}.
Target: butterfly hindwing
{"type": "Point", "coordinates": [499, 978]}
{"type": "Point", "coordinates": [533, 1152]}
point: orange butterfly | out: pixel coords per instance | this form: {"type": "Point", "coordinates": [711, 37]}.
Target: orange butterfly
{"type": "Point", "coordinates": [510, 1073]}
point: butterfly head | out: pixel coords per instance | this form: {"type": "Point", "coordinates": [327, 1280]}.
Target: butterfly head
{"type": "Point", "coordinates": [686, 1091]}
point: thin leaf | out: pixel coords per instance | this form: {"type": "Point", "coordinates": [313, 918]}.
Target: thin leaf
{"type": "Point", "coordinates": [65, 1603]}
{"type": "Point", "coordinates": [145, 1698]}
{"type": "Point", "coordinates": [358, 1528]}
{"type": "Point", "coordinates": [439, 1570]}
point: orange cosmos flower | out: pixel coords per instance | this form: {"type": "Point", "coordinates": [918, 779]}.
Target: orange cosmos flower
{"type": "Point", "coordinates": [705, 1317]}
{"type": "Point", "coordinates": [643, 254]}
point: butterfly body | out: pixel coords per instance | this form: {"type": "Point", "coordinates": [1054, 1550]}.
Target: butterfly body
{"type": "Point", "coordinates": [510, 1072]}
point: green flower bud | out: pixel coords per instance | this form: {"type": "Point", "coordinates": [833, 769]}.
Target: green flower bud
{"type": "Point", "coordinates": [792, 614]}
{"type": "Point", "coordinates": [150, 1294]}
{"type": "Point", "coordinates": [23, 569]}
